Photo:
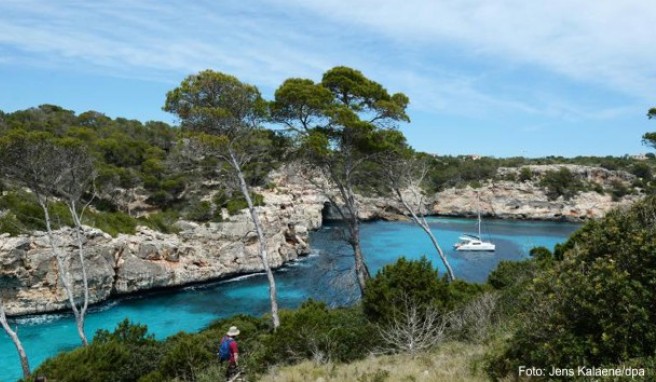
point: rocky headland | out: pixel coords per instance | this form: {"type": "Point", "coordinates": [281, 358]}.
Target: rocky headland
{"type": "Point", "coordinates": [149, 259]}
{"type": "Point", "coordinates": [205, 252]}
{"type": "Point", "coordinates": [528, 200]}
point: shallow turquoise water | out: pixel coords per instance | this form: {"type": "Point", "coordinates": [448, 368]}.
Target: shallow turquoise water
{"type": "Point", "coordinates": [325, 275]}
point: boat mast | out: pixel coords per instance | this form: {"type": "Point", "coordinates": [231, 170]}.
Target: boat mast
{"type": "Point", "coordinates": [478, 207]}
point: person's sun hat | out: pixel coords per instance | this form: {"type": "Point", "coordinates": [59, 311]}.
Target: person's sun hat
{"type": "Point", "coordinates": [233, 331]}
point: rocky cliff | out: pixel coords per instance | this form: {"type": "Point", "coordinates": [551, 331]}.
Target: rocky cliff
{"type": "Point", "coordinates": [130, 263]}
{"type": "Point", "coordinates": [528, 200]}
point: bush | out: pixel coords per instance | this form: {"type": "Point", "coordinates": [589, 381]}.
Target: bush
{"type": "Point", "coordinates": [199, 211]}
{"type": "Point", "coordinates": [111, 222]}
{"type": "Point", "coordinates": [23, 213]}
{"type": "Point", "coordinates": [162, 221]}
{"type": "Point", "coordinates": [642, 170]}
{"type": "Point", "coordinates": [236, 202]}
{"type": "Point", "coordinates": [9, 224]}
{"type": "Point", "coordinates": [123, 355]}
{"type": "Point", "coordinates": [185, 355]}
{"type": "Point", "coordinates": [618, 190]}
{"type": "Point", "coordinates": [595, 306]}
{"type": "Point", "coordinates": [561, 183]}
{"type": "Point", "coordinates": [414, 281]}
{"type": "Point", "coordinates": [316, 332]}
{"type": "Point", "coordinates": [525, 174]}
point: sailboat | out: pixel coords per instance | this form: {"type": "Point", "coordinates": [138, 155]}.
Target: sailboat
{"type": "Point", "coordinates": [469, 242]}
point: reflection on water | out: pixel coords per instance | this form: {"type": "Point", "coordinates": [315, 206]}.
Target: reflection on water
{"type": "Point", "coordinates": [325, 275]}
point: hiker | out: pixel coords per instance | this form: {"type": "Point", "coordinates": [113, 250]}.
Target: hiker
{"type": "Point", "coordinates": [228, 351]}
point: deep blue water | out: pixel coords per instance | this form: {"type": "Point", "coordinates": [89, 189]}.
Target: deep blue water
{"type": "Point", "coordinates": [326, 275]}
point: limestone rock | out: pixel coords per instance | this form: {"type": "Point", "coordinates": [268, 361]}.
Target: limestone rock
{"type": "Point", "coordinates": [148, 259]}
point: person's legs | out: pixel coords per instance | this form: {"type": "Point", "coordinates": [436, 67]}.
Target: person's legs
{"type": "Point", "coordinates": [231, 371]}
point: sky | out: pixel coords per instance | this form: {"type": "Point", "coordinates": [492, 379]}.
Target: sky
{"type": "Point", "coordinates": [500, 78]}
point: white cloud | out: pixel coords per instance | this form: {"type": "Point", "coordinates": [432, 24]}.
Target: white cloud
{"type": "Point", "coordinates": [178, 37]}
{"type": "Point", "coordinates": [606, 42]}
{"type": "Point", "coordinates": [264, 42]}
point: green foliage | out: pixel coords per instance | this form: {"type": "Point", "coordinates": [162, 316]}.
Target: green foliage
{"type": "Point", "coordinates": [127, 153]}
{"type": "Point", "coordinates": [161, 221]}
{"type": "Point", "coordinates": [215, 103]}
{"type": "Point", "coordinates": [123, 355]}
{"type": "Point", "coordinates": [25, 215]}
{"type": "Point", "coordinates": [642, 170]}
{"type": "Point", "coordinates": [185, 355]}
{"type": "Point", "coordinates": [236, 202]}
{"type": "Point", "coordinates": [525, 174]}
{"type": "Point", "coordinates": [129, 353]}
{"type": "Point", "coordinates": [414, 281]}
{"type": "Point", "coordinates": [542, 255]}
{"type": "Point", "coordinates": [112, 223]}
{"type": "Point", "coordinates": [618, 189]}
{"type": "Point", "coordinates": [511, 280]}
{"type": "Point", "coordinates": [508, 273]}
{"type": "Point", "coordinates": [449, 171]}
{"type": "Point", "coordinates": [314, 331]}
{"type": "Point", "coordinates": [649, 139]}
{"type": "Point", "coordinates": [561, 183]}
{"type": "Point", "coordinates": [199, 211]}
{"type": "Point", "coordinates": [10, 224]}
{"type": "Point", "coordinates": [595, 306]}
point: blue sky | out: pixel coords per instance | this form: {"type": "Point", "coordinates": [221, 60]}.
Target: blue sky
{"type": "Point", "coordinates": [501, 78]}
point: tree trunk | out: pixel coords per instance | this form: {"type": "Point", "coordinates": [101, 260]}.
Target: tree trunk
{"type": "Point", "coordinates": [421, 221]}
{"type": "Point", "coordinates": [66, 283]}
{"type": "Point", "coordinates": [25, 365]}
{"type": "Point", "coordinates": [361, 269]}
{"type": "Point", "coordinates": [80, 246]}
{"type": "Point", "coordinates": [262, 241]}
{"type": "Point", "coordinates": [353, 223]}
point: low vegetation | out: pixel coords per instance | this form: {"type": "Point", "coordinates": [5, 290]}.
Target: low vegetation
{"type": "Point", "coordinates": [452, 361]}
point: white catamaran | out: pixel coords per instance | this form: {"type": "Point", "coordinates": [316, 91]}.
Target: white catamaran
{"type": "Point", "coordinates": [469, 242]}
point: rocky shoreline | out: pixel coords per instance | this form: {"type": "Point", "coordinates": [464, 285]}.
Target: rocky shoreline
{"type": "Point", "coordinates": [527, 200]}
{"type": "Point", "coordinates": [147, 260]}
{"type": "Point", "coordinates": [199, 253]}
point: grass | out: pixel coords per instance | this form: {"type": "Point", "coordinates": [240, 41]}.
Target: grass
{"type": "Point", "coordinates": [453, 361]}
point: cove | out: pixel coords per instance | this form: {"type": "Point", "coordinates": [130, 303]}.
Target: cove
{"type": "Point", "coordinates": [324, 275]}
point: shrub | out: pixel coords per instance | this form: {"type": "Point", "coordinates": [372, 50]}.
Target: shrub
{"type": "Point", "coordinates": [112, 222]}
{"type": "Point", "coordinates": [185, 355]}
{"type": "Point", "coordinates": [316, 332]}
{"type": "Point", "coordinates": [416, 281]}
{"type": "Point", "coordinates": [561, 183]}
{"type": "Point", "coordinates": [525, 174]}
{"type": "Point", "coordinates": [199, 211]}
{"type": "Point", "coordinates": [162, 221]}
{"type": "Point", "coordinates": [642, 170]}
{"type": "Point", "coordinates": [618, 190]}
{"type": "Point", "coordinates": [236, 202]}
{"type": "Point", "coordinates": [24, 214]}
{"type": "Point", "coordinates": [123, 355]}
{"type": "Point", "coordinates": [9, 224]}
{"type": "Point", "coordinates": [595, 307]}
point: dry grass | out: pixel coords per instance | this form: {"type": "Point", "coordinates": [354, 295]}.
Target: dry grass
{"type": "Point", "coordinates": [452, 361]}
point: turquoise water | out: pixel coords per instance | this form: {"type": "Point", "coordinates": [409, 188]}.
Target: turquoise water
{"type": "Point", "coordinates": [326, 275]}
